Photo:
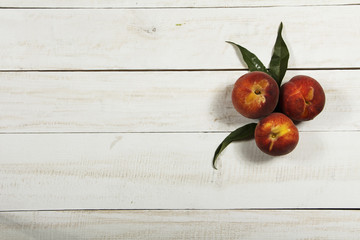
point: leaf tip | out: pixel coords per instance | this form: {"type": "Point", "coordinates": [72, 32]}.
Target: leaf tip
{"type": "Point", "coordinates": [214, 163]}
{"type": "Point", "coordinates": [280, 27]}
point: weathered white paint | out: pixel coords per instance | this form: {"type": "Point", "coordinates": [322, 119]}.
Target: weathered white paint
{"type": "Point", "coordinates": [209, 224]}
{"type": "Point", "coordinates": [165, 3]}
{"type": "Point", "coordinates": [175, 38]}
{"type": "Point", "coordinates": [170, 170]}
{"type": "Point", "coordinates": [167, 171]}
{"type": "Point", "coordinates": [152, 101]}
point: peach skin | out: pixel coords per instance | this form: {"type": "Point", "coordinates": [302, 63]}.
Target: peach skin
{"type": "Point", "coordinates": [302, 98]}
{"type": "Point", "coordinates": [255, 95]}
{"type": "Point", "coordinates": [276, 135]}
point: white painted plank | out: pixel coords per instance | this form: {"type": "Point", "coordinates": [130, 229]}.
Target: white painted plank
{"type": "Point", "coordinates": [218, 224]}
{"type": "Point", "coordinates": [175, 38]}
{"type": "Point", "coordinates": [165, 3]}
{"type": "Point", "coordinates": [173, 171]}
{"type": "Point", "coordinates": [152, 101]}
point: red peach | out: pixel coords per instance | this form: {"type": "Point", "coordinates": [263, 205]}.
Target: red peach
{"type": "Point", "coordinates": [276, 134]}
{"type": "Point", "coordinates": [255, 95]}
{"type": "Point", "coordinates": [302, 98]}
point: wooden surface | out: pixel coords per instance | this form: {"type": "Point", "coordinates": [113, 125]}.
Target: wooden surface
{"type": "Point", "coordinates": [173, 170]}
{"type": "Point", "coordinates": [88, 39]}
{"type": "Point", "coordinates": [111, 112]}
{"type": "Point", "coordinates": [180, 224]}
{"type": "Point", "coordinates": [168, 4]}
{"type": "Point", "coordinates": [152, 101]}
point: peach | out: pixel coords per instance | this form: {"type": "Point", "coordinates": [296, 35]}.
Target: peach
{"type": "Point", "coordinates": [255, 95]}
{"type": "Point", "coordinates": [276, 134]}
{"type": "Point", "coordinates": [302, 98]}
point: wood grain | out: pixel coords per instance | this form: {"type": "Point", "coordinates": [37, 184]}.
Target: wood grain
{"type": "Point", "coordinates": [152, 101]}
{"type": "Point", "coordinates": [173, 171]}
{"type": "Point", "coordinates": [67, 139]}
{"type": "Point", "coordinates": [218, 224]}
{"type": "Point", "coordinates": [168, 4]}
{"type": "Point", "coordinates": [56, 39]}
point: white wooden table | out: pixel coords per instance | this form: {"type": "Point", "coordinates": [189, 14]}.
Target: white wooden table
{"type": "Point", "coordinates": [111, 112]}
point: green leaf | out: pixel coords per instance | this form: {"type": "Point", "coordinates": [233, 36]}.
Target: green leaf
{"type": "Point", "coordinates": [242, 133]}
{"type": "Point", "coordinates": [252, 61]}
{"type": "Point", "coordinates": [280, 58]}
